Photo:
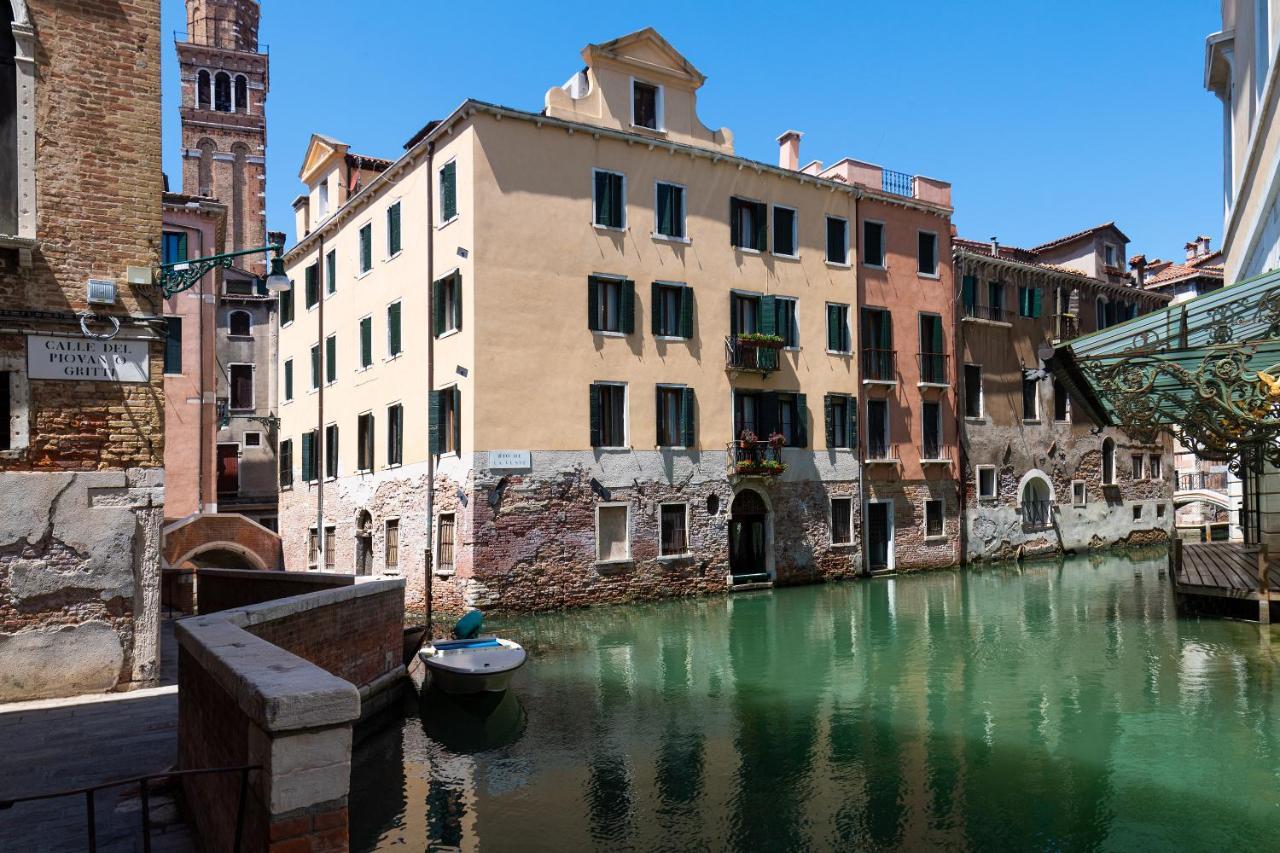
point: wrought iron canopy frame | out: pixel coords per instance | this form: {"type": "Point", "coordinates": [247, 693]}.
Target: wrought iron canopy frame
{"type": "Point", "coordinates": [183, 275]}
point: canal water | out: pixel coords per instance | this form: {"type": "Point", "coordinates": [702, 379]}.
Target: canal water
{"type": "Point", "coordinates": [1057, 707]}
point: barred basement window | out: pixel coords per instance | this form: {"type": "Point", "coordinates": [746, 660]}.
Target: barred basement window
{"type": "Point", "coordinates": [675, 537]}
{"type": "Point", "coordinates": [392, 544]}
{"type": "Point", "coordinates": [444, 547]}
{"type": "Point", "coordinates": [330, 541]}
{"type": "Point", "coordinates": [364, 442]}
{"type": "Point", "coordinates": [933, 518]}
{"type": "Point", "coordinates": [842, 521]}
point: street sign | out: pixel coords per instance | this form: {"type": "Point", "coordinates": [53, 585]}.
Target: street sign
{"type": "Point", "coordinates": [72, 359]}
{"type": "Point", "coordinates": [510, 459]}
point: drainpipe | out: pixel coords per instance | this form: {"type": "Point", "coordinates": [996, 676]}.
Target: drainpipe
{"type": "Point", "coordinates": [318, 448]}
{"type": "Point", "coordinates": [957, 284]}
{"type": "Point", "coordinates": [855, 237]}
{"type": "Point", "coordinates": [431, 385]}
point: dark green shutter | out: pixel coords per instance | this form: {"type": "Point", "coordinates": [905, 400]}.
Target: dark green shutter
{"type": "Point", "coordinates": [308, 457]}
{"type": "Point", "coordinates": [366, 342]}
{"type": "Point", "coordinates": [593, 304]}
{"type": "Point", "coordinates": [448, 192]}
{"type": "Point", "coordinates": [331, 271]}
{"type": "Point", "coordinates": [366, 248]}
{"type": "Point", "coordinates": [735, 222]}
{"type": "Point", "coordinates": [286, 305]}
{"type": "Point", "coordinates": [970, 291]}
{"type": "Point", "coordinates": [851, 420]}
{"type": "Point", "coordinates": [802, 421]}
{"type": "Point", "coordinates": [1035, 302]}
{"type": "Point", "coordinates": [762, 227]}
{"type": "Point", "coordinates": [657, 413]}
{"type": "Point", "coordinates": [768, 312]}
{"type": "Point", "coordinates": [828, 411]}
{"type": "Point", "coordinates": [312, 285]}
{"type": "Point", "coordinates": [457, 301]}
{"type": "Point", "coordinates": [655, 307]}
{"type": "Point", "coordinates": [686, 312]}
{"type": "Point", "coordinates": [288, 379]}
{"type": "Point", "coordinates": [595, 416]}
{"type": "Point", "coordinates": [393, 327]}
{"type": "Point", "coordinates": [331, 358]}
{"type": "Point", "coordinates": [457, 419]}
{"type": "Point", "coordinates": [437, 308]}
{"type": "Point", "coordinates": [665, 214]}
{"type": "Point", "coordinates": [433, 422]}
{"type": "Point", "coordinates": [767, 414]}
{"type": "Point", "coordinates": [628, 307]}
{"type": "Point", "coordinates": [393, 229]}
{"type": "Point", "coordinates": [315, 366]}
{"type": "Point", "coordinates": [603, 213]}
{"type": "Point", "coordinates": [688, 425]}
{"type": "Point", "coordinates": [833, 328]}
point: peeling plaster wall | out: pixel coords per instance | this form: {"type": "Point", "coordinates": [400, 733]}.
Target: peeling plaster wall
{"type": "Point", "coordinates": [79, 585]}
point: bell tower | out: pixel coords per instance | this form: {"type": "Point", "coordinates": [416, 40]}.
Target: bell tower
{"type": "Point", "coordinates": [224, 80]}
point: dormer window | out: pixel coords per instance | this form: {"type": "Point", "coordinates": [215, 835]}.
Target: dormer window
{"type": "Point", "coordinates": [324, 198]}
{"type": "Point", "coordinates": [646, 105]}
{"type": "Point", "coordinates": [1108, 255]}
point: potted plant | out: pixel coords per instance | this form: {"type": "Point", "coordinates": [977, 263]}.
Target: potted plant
{"type": "Point", "coordinates": [761, 340]}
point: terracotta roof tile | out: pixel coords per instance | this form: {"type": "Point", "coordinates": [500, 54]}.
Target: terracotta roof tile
{"type": "Point", "coordinates": [1068, 238]}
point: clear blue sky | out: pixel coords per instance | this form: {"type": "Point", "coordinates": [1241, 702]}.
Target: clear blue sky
{"type": "Point", "coordinates": [1046, 118]}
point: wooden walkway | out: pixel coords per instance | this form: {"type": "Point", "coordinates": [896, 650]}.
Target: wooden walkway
{"type": "Point", "coordinates": [1224, 570]}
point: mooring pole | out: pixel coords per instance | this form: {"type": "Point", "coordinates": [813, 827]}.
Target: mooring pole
{"type": "Point", "coordinates": [1264, 587]}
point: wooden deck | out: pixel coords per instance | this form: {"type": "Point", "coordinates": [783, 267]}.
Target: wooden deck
{"type": "Point", "coordinates": [1224, 570]}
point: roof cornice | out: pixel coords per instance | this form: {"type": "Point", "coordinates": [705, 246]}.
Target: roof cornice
{"type": "Point", "coordinates": [961, 252]}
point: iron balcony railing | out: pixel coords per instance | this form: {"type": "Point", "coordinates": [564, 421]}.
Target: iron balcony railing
{"type": "Point", "coordinates": [987, 312]}
{"type": "Point", "coordinates": [880, 449]}
{"type": "Point", "coordinates": [755, 458]}
{"type": "Point", "coordinates": [1215, 481]}
{"type": "Point", "coordinates": [747, 354]}
{"type": "Point", "coordinates": [931, 448]}
{"type": "Point", "coordinates": [933, 367]}
{"type": "Point", "coordinates": [879, 365]}
{"type": "Point", "coordinates": [898, 183]}
{"type": "Point", "coordinates": [1066, 327]}
{"type": "Point", "coordinates": [1037, 513]}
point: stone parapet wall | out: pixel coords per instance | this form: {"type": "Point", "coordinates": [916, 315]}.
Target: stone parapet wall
{"type": "Point", "coordinates": [226, 589]}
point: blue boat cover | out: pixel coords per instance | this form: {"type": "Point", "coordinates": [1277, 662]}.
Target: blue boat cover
{"type": "Point", "coordinates": [487, 642]}
{"type": "Point", "coordinates": [469, 625]}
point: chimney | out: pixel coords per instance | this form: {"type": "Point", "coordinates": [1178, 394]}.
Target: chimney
{"type": "Point", "coordinates": [789, 150]}
{"type": "Point", "coordinates": [995, 248]}
{"type": "Point", "coordinates": [1138, 263]}
{"type": "Point", "coordinates": [1203, 248]}
{"type": "Point", "coordinates": [1192, 249]}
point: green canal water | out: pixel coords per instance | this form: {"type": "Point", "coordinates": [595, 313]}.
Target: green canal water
{"type": "Point", "coordinates": [1059, 707]}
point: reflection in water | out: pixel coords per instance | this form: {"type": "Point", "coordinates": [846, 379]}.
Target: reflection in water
{"type": "Point", "coordinates": [1062, 706]}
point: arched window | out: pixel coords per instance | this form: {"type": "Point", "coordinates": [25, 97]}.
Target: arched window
{"type": "Point", "coordinates": [240, 324]}
{"type": "Point", "coordinates": [222, 92]}
{"type": "Point", "coordinates": [1036, 499]}
{"type": "Point", "coordinates": [206, 147]}
{"type": "Point", "coordinates": [242, 94]}
{"type": "Point", "coordinates": [1108, 462]}
{"type": "Point", "coordinates": [203, 90]}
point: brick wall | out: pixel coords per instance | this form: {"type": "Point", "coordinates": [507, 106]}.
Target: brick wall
{"type": "Point", "coordinates": [224, 589]}
{"type": "Point", "coordinates": [912, 549]}
{"type": "Point", "coordinates": [221, 531]}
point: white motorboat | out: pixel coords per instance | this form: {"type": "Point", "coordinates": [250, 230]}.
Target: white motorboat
{"type": "Point", "coordinates": [479, 665]}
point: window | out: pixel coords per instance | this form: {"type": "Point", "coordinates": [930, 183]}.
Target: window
{"type": "Point", "coordinates": [1030, 399]}
{"type": "Point", "coordinates": [1108, 462]}
{"type": "Point", "coordinates": [931, 429]}
{"type": "Point", "coordinates": [784, 321]}
{"type": "Point", "coordinates": [1155, 467]}
{"type": "Point", "coordinates": [312, 285]}
{"type": "Point", "coordinates": [927, 253]}
{"type": "Point", "coordinates": [995, 299]}
{"type": "Point", "coordinates": [364, 442]}
{"type": "Point", "coordinates": [330, 548]}
{"type": "Point", "coordinates": [1061, 402]}
{"type": "Point", "coordinates": [240, 377]}
{"type": "Point", "coordinates": [1028, 301]}
{"type": "Point", "coordinates": [674, 538]}
{"type": "Point", "coordinates": [309, 448]}
{"type": "Point", "coordinates": [394, 345]}
{"type": "Point", "coordinates": [842, 422]}
{"type": "Point", "coordinates": [878, 355]}
{"type": "Point", "coordinates": [842, 521]}
{"type": "Point", "coordinates": [391, 545]}
{"type": "Point", "coordinates": [173, 247]}
{"type": "Point", "coordinates": [444, 544]}
{"type": "Point", "coordinates": [1109, 255]}
{"type": "Point", "coordinates": [744, 313]}
{"type": "Point", "coordinates": [1079, 495]}
{"type": "Point", "coordinates": [393, 230]}
{"type": "Point", "coordinates": [972, 391]}
{"type": "Point", "coordinates": [1137, 512]}
{"type": "Point", "coordinates": [1160, 510]}
{"type": "Point", "coordinates": [366, 247]}
{"type": "Point", "coordinates": [446, 304]}
{"type": "Point", "coordinates": [366, 341]}
{"type": "Point", "coordinates": [669, 211]}
{"type": "Point", "coordinates": [331, 359]}
{"type": "Point", "coordinates": [448, 191]}
{"type": "Point", "coordinates": [878, 444]}
{"type": "Point", "coordinates": [838, 328]}
{"type": "Point", "coordinates": [933, 357]}
{"type": "Point", "coordinates": [395, 434]}
{"type": "Point", "coordinates": [986, 481]}
{"type": "Point", "coordinates": [675, 416]}
{"type": "Point", "coordinates": [331, 451]}
{"type": "Point", "coordinates": [315, 367]}
{"type": "Point", "coordinates": [837, 240]}
{"type": "Point", "coordinates": [608, 415]}
{"type": "Point", "coordinates": [969, 295]}
{"type": "Point", "coordinates": [288, 379]}
{"type": "Point", "coordinates": [228, 468]}
{"type": "Point", "coordinates": [286, 306]}
{"type": "Point", "coordinates": [873, 244]}
{"type": "Point", "coordinates": [445, 425]}
{"type": "Point", "coordinates": [1137, 461]}
{"type": "Point", "coordinates": [672, 310]}
{"type": "Point", "coordinates": [611, 305]}
{"type": "Point", "coordinates": [784, 231]}
{"type": "Point", "coordinates": [609, 201]}
{"type": "Point", "coordinates": [612, 540]}
{"type": "Point", "coordinates": [793, 420]}
{"type": "Point", "coordinates": [646, 105]}
{"type": "Point", "coordinates": [313, 548]}
{"type": "Point", "coordinates": [933, 518]}
{"type": "Point", "coordinates": [253, 439]}
{"type": "Point", "coordinates": [322, 198]}
{"type": "Point", "coordinates": [240, 324]}
{"type": "Point", "coordinates": [746, 411]}
{"type": "Point", "coordinates": [203, 88]}
{"type": "Point", "coordinates": [172, 344]}
{"type": "Point", "coordinates": [286, 463]}
{"type": "Point", "coordinates": [748, 224]}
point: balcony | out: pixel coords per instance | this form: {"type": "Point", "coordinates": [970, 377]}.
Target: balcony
{"type": "Point", "coordinates": [932, 452]}
{"type": "Point", "coordinates": [898, 183]}
{"type": "Point", "coordinates": [933, 369]}
{"type": "Point", "coordinates": [1065, 327]}
{"type": "Point", "coordinates": [752, 353]}
{"type": "Point", "coordinates": [879, 365]}
{"type": "Point", "coordinates": [881, 451]}
{"type": "Point", "coordinates": [987, 313]}
{"type": "Point", "coordinates": [1037, 515]}
{"type": "Point", "coordinates": [1214, 481]}
{"type": "Point", "coordinates": [751, 457]}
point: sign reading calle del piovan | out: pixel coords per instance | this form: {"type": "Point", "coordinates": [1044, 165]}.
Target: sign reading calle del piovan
{"type": "Point", "coordinates": [118, 360]}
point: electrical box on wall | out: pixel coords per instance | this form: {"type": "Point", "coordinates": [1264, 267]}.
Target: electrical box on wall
{"type": "Point", "coordinates": [138, 275]}
{"type": "Point", "coordinates": [102, 291]}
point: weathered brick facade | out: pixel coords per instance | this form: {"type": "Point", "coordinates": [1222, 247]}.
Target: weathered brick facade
{"type": "Point", "coordinates": [81, 480]}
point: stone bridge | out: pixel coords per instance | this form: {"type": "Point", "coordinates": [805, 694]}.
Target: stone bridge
{"type": "Point", "coordinates": [220, 540]}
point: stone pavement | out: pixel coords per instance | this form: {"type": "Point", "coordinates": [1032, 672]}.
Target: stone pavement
{"type": "Point", "coordinates": [56, 744]}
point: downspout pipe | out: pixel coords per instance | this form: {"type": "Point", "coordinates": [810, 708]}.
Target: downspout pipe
{"type": "Point", "coordinates": [429, 551]}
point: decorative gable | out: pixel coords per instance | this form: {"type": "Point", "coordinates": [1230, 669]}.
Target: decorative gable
{"type": "Point", "coordinates": [320, 152]}
{"type": "Point", "coordinates": [645, 52]}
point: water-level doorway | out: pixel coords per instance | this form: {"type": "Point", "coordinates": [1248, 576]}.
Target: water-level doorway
{"type": "Point", "coordinates": [879, 537]}
{"type": "Point", "coordinates": [748, 540]}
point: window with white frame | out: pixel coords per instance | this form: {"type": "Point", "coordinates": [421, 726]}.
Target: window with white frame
{"type": "Point", "coordinates": [1079, 493]}
{"type": "Point", "coordinates": [668, 207]}
{"type": "Point", "coordinates": [253, 439]}
{"type": "Point", "coordinates": [1108, 462]}
{"type": "Point", "coordinates": [391, 544]}
{"type": "Point", "coordinates": [986, 481]}
{"type": "Point", "coordinates": [674, 532]}
{"type": "Point", "coordinates": [837, 240]}
{"type": "Point", "coordinates": [646, 105]}
{"type": "Point", "coordinates": [1137, 461]}
{"type": "Point", "coordinates": [842, 521]}
{"type": "Point", "coordinates": [444, 543]}
{"type": "Point", "coordinates": [612, 536]}
{"type": "Point", "coordinates": [608, 414]}
{"type": "Point", "coordinates": [609, 199]}
{"type": "Point", "coordinates": [1155, 467]}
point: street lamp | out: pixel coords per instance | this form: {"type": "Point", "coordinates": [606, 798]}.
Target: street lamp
{"type": "Point", "coordinates": [181, 275]}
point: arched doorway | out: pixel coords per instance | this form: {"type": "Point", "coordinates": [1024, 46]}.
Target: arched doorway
{"type": "Point", "coordinates": [748, 536]}
{"type": "Point", "coordinates": [364, 542]}
{"type": "Point", "coordinates": [1035, 497]}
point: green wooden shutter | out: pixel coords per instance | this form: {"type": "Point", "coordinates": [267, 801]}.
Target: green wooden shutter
{"type": "Point", "coordinates": [602, 198]}
{"type": "Point", "coordinates": [768, 311]}
{"type": "Point", "coordinates": [366, 342]}
{"type": "Point", "coordinates": [457, 301]}
{"type": "Point", "coordinates": [762, 227]}
{"type": "Point", "coordinates": [655, 309]}
{"type": "Point", "coordinates": [970, 291]}
{"type": "Point", "coordinates": [828, 412]}
{"type": "Point", "coordinates": [851, 420]}
{"type": "Point", "coordinates": [1035, 302]}
{"type": "Point", "coordinates": [449, 191]}
{"type": "Point", "coordinates": [593, 304]}
{"type": "Point", "coordinates": [628, 307]}
{"type": "Point", "coordinates": [315, 366]}
{"type": "Point", "coordinates": [308, 457]}
{"type": "Point", "coordinates": [331, 271]}
{"type": "Point", "coordinates": [437, 308]}
{"type": "Point", "coordinates": [312, 286]}
{"type": "Point", "coordinates": [687, 422]}
{"type": "Point", "coordinates": [457, 419]}
{"type": "Point", "coordinates": [433, 422]}
{"type": "Point", "coordinates": [288, 379]}
{"type": "Point", "coordinates": [393, 229]}
{"type": "Point", "coordinates": [686, 312]}
{"type": "Point", "coordinates": [735, 222]}
{"type": "Point", "coordinates": [331, 358]}
{"type": "Point", "coordinates": [657, 416]}
{"type": "Point", "coordinates": [833, 328]}
{"type": "Point", "coordinates": [802, 421]}
{"type": "Point", "coordinates": [596, 439]}
{"type": "Point", "coordinates": [666, 215]}
{"type": "Point", "coordinates": [393, 327]}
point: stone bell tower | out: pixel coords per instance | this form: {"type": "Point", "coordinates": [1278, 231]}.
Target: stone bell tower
{"type": "Point", "coordinates": [224, 128]}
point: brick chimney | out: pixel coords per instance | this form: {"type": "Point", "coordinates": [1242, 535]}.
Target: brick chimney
{"type": "Point", "coordinates": [789, 150]}
{"type": "Point", "coordinates": [1138, 263]}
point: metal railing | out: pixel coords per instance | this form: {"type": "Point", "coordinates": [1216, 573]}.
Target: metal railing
{"type": "Point", "coordinates": [931, 448]}
{"type": "Point", "coordinates": [880, 449]}
{"type": "Point", "coordinates": [1215, 481]}
{"type": "Point", "coordinates": [987, 312]}
{"type": "Point", "coordinates": [898, 183]}
{"type": "Point", "coordinates": [879, 365]}
{"type": "Point", "coordinates": [740, 354]}
{"type": "Point", "coordinates": [1037, 513]}
{"type": "Point", "coordinates": [755, 458]}
{"type": "Point", "coordinates": [933, 367]}
{"type": "Point", "coordinates": [90, 791]}
{"type": "Point", "coordinates": [1066, 326]}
